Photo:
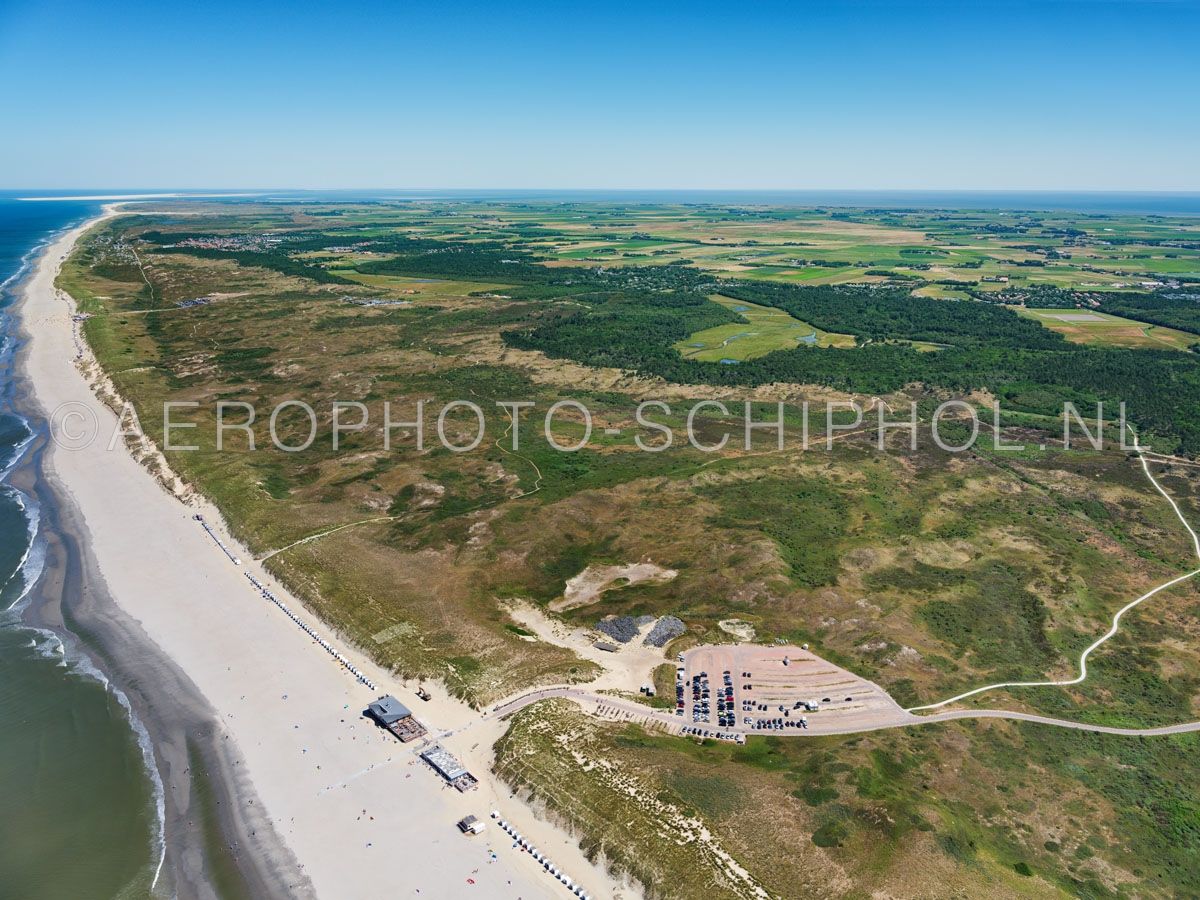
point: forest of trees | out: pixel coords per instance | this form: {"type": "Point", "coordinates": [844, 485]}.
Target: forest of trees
{"type": "Point", "coordinates": [1172, 309]}
{"type": "Point", "coordinates": [630, 318]}
{"type": "Point", "coordinates": [896, 314]}
{"type": "Point", "coordinates": [1029, 367]}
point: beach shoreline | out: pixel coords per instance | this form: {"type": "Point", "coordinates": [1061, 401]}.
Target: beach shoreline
{"type": "Point", "coordinates": [311, 798]}
{"type": "Point", "coordinates": [190, 756]}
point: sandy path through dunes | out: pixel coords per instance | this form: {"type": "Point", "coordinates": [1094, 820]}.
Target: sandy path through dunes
{"type": "Point", "coordinates": [364, 817]}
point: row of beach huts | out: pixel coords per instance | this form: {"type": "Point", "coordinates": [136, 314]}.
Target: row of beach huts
{"type": "Point", "coordinates": [304, 626]}
{"type": "Point", "coordinates": [395, 717]}
{"type": "Point", "coordinates": [233, 557]}
{"type": "Point", "coordinates": [312, 632]}
{"type": "Point", "coordinates": [537, 854]}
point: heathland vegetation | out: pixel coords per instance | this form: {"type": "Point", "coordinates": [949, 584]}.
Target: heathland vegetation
{"type": "Point", "coordinates": [1031, 368]}
{"type": "Point", "coordinates": [925, 571]}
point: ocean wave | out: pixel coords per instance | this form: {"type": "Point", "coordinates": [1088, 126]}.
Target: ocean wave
{"type": "Point", "coordinates": [11, 454]}
{"type": "Point", "coordinates": [8, 286]}
{"type": "Point", "coordinates": [81, 664]}
{"type": "Point", "coordinates": [22, 270]}
{"type": "Point", "coordinates": [32, 563]}
{"type": "Point", "coordinates": [48, 644]}
{"type": "Point", "coordinates": [29, 257]}
{"type": "Point", "coordinates": [43, 642]}
{"type": "Point", "coordinates": [160, 793]}
{"type": "Point", "coordinates": [15, 448]}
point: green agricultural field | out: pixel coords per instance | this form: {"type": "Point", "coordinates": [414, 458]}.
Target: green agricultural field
{"type": "Point", "coordinates": [806, 274]}
{"type": "Point", "coordinates": [927, 573]}
{"type": "Point", "coordinates": [1087, 326]}
{"type": "Point", "coordinates": [432, 289]}
{"type": "Point", "coordinates": [763, 331]}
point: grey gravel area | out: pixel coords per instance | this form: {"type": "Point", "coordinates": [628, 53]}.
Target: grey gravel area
{"type": "Point", "coordinates": [623, 628]}
{"type": "Point", "coordinates": [665, 629]}
{"type": "Point", "coordinates": [626, 628]}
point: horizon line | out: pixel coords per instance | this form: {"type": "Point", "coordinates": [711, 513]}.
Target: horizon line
{"type": "Point", "coordinates": [104, 193]}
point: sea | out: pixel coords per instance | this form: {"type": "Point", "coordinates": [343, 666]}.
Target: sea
{"type": "Point", "coordinates": [80, 803]}
{"type": "Point", "coordinates": [1089, 203]}
{"type": "Point", "coordinates": [80, 806]}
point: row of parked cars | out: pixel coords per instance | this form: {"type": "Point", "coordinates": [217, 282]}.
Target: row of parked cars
{"type": "Point", "coordinates": [725, 714]}
{"type": "Point", "coordinates": [718, 735]}
{"type": "Point", "coordinates": [701, 697]}
{"type": "Point", "coordinates": [776, 724]}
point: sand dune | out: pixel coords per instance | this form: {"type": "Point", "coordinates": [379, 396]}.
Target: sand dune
{"type": "Point", "coordinates": [364, 817]}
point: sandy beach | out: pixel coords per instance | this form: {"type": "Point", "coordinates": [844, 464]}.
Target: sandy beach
{"type": "Point", "coordinates": [329, 805]}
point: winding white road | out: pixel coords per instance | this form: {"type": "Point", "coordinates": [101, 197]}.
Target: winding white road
{"type": "Point", "coordinates": [1116, 622]}
{"type": "Point", "coordinates": [903, 718]}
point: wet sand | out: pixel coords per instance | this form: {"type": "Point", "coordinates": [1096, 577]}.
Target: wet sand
{"type": "Point", "coordinates": [311, 798]}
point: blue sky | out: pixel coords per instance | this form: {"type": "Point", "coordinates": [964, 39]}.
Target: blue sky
{"type": "Point", "coordinates": [1069, 95]}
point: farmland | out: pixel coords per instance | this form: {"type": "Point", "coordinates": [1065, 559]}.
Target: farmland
{"type": "Point", "coordinates": [764, 330]}
{"type": "Point", "coordinates": [1088, 326]}
{"type": "Point", "coordinates": [924, 571]}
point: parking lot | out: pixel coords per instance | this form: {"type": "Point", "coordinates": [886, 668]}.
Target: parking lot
{"type": "Point", "coordinates": [753, 689]}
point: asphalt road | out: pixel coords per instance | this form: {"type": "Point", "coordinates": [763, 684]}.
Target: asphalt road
{"type": "Point", "coordinates": [826, 722]}
{"type": "Point", "coordinates": [817, 724]}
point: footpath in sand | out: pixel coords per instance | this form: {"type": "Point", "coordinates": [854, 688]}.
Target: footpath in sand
{"type": "Point", "coordinates": [362, 814]}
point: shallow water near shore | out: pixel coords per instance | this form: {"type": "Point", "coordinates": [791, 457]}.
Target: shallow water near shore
{"type": "Point", "coordinates": [79, 812]}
